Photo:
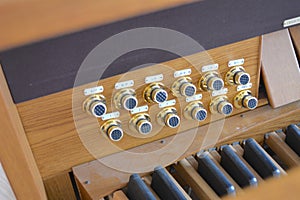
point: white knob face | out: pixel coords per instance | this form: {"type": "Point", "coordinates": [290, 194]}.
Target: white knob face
{"type": "Point", "coordinates": [159, 95]}
{"type": "Point", "coordinates": [115, 133]}
{"type": "Point", "coordinates": [129, 102]}
{"type": "Point", "coordinates": [225, 108]}
{"type": "Point", "coordinates": [187, 89]}
{"type": "Point", "coordinates": [172, 120]}
{"type": "Point", "coordinates": [144, 127]}
{"type": "Point", "coordinates": [98, 109]}
{"type": "Point", "coordinates": [199, 114]}
{"type": "Point", "coordinates": [215, 84]}
{"type": "Point", "coordinates": [242, 78]}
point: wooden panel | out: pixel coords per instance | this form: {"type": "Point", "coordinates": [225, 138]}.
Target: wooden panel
{"type": "Point", "coordinates": [16, 156]}
{"type": "Point", "coordinates": [31, 20]}
{"type": "Point", "coordinates": [280, 68]}
{"type": "Point", "coordinates": [295, 34]}
{"type": "Point", "coordinates": [60, 187]}
{"type": "Point", "coordinates": [49, 121]}
{"type": "Point", "coordinates": [237, 128]}
{"type": "Point", "coordinates": [6, 192]}
{"type": "Point", "coordinates": [286, 187]}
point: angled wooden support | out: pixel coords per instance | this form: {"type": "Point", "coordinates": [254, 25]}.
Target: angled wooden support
{"type": "Point", "coordinates": [15, 154]}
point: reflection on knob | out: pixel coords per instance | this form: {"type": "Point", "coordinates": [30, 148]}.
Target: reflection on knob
{"type": "Point", "coordinates": [126, 99]}
{"type": "Point", "coordinates": [195, 111]}
{"type": "Point", "coordinates": [221, 105]}
{"type": "Point", "coordinates": [112, 128]}
{"type": "Point", "coordinates": [237, 76]}
{"type": "Point", "coordinates": [246, 100]}
{"type": "Point", "coordinates": [95, 105]}
{"type": "Point", "coordinates": [141, 123]}
{"type": "Point", "coordinates": [184, 87]}
{"type": "Point", "coordinates": [211, 82]}
{"type": "Point", "coordinates": [155, 92]}
{"type": "Point", "coordinates": [168, 117]}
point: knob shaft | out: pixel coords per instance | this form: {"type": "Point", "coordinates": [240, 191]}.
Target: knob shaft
{"type": "Point", "coordinates": [184, 87]}
{"type": "Point", "coordinates": [211, 82]}
{"type": "Point", "coordinates": [141, 123]}
{"type": "Point", "coordinates": [113, 130]}
{"type": "Point", "coordinates": [244, 99]}
{"type": "Point", "coordinates": [95, 105]}
{"type": "Point", "coordinates": [237, 76]}
{"type": "Point", "coordinates": [195, 111]}
{"type": "Point", "coordinates": [221, 105]}
{"type": "Point", "coordinates": [168, 117]}
{"type": "Point", "coordinates": [126, 99]}
{"type": "Point", "coordinates": [155, 92]}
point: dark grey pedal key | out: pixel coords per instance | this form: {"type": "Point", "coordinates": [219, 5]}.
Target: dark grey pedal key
{"type": "Point", "coordinates": [137, 189]}
{"type": "Point", "coordinates": [256, 156]}
{"type": "Point", "coordinates": [236, 168]}
{"type": "Point", "coordinates": [164, 186]}
{"type": "Point", "coordinates": [215, 178]}
{"type": "Point", "coordinates": [293, 138]}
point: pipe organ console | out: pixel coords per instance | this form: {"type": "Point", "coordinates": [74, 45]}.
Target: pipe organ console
{"type": "Point", "coordinates": [214, 115]}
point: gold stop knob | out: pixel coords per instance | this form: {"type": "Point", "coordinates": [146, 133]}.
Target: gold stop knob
{"type": "Point", "coordinates": [195, 111]}
{"type": "Point", "coordinates": [237, 76]}
{"type": "Point", "coordinates": [141, 123]}
{"type": "Point", "coordinates": [155, 92]}
{"type": "Point", "coordinates": [168, 117]}
{"type": "Point", "coordinates": [95, 105]}
{"type": "Point", "coordinates": [244, 99]}
{"type": "Point", "coordinates": [184, 87]}
{"type": "Point", "coordinates": [221, 105]}
{"type": "Point", "coordinates": [112, 128]}
{"type": "Point", "coordinates": [126, 99]}
{"type": "Point", "coordinates": [211, 82]}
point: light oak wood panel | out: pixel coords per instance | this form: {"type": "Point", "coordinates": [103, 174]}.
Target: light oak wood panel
{"type": "Point", "coordinates": [295, 34]}
{"type": "Point", "coordinates": [236, 128]}
{"type": "Point", "coordinates": [60, 187]}
{"type": "Point", "coordinates": [27, 21]}
{"type": "Point", "coordinates": [49, 121]}
{"type": "Point", "coordinates": [280, 68]}
{"type": "Point", "coordinates": [15, 153]}
{"type": "Point", "coordinates": [286, 187]}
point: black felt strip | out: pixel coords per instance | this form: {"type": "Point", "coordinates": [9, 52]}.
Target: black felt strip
{"type": "Point", "coordinates": [50, 66]}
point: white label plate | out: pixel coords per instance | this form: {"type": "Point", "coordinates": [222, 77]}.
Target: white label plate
{"type": "Point", "coordinates": [139, 109]}
{"type": "Point", "coordinates": [93, 90]}
{"type": "Point", "coordinates": [110, 115]}
{"type": "Point", "coordinates": [219, 92]}
{"type": "Point", "coordinates": [171, 102]}
{"type": "Point", "coordinates": [236, 62]}
{"type": "Point", "coordinates": [244, 87]}
{"type": "Point", "coordinates": [155, 78]}
{"type": "Point", "coordinates": [291, 22]}
{"type": "Point", "coordinates": [184, 72]}
{"type": "Point", "coordinates": [194, 98]}
{"type": "Point", "coordinates": [124, 84]}
{"type": "Point", "coordinates": [212, 67]}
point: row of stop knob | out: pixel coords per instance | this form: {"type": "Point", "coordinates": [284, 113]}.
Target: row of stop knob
{"type": "Point", "coordinates": [142, 123]}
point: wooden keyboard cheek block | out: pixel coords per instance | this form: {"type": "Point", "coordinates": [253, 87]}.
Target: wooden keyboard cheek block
{"type": "Point", "coordinates": [60, 138]}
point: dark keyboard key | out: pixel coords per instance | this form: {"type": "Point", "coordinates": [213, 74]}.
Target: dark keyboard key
{"type": "Point", "coordinates": [164, 185]}
{"type": "Point", "coordinates": [293, 138]}
{"type": "Point", "coordinates": [137, 189]}
{"type": "Point", "coordinates": [236, 168]}
{"type": "Point", "coordinates": [259, 160]}
{"type": "Point", "coordinates": [213, 175]}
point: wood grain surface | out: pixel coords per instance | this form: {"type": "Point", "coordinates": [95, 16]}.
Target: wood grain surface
{"type": "Point", "coordinates": [24, 22]}
{"type": "Point", "coordinates": [280, 68]}
{"type": "Point", "coordinates": [236, 128]}
{"type": "Point", "coordinates": [49, 120]}
{"type": "Point", "coordinates": [295, 34]}
{"type": "Point", "coordinates": [15, 153]}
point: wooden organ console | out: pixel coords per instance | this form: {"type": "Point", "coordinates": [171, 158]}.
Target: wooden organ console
{"type": "Point", "coordinates": [216, 114]}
